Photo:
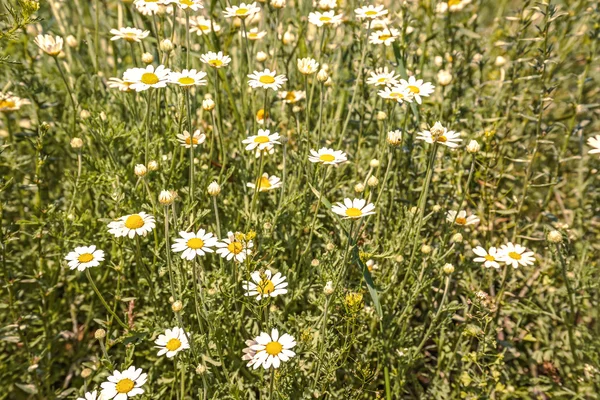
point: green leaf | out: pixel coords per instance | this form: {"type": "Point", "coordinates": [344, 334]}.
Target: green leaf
{"type": "Point", "coordinates": [369, 281]}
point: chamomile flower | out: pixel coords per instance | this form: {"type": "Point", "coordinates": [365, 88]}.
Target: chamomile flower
{"type": "Point", "coordinates": [242, 11]}
{"type": "Point", "coordinates": [193, 5]}
{"type": "Point", "coordinates": [327, 156]}
{"type": "Point", "coordinates": [370, 12]}
{"type": "Point", "coordinates": [378, 24]}
{"type": "Point", "coordinates": [84, 257]}
{"type": "Point", "coordinates": [146, 78]}
{"type": "Point", "coordinates": [187, 140]}
{"type": "Point", "coordinates": [149, 7]}
{"type": "Point", "coordinates": [263, 139]}
{"type": "Point", "coordinates": [593, 142]}
{"type": "Point", "coordinates": [325, 18]}
{"type": "Point", "coordinates": [266, 80]}
{"type": "Point", "coordinates": [232, 249]}
{"type": "Point", "coordinates": [292, 96]}
{"type": "Point", "coordinates": [451, 5]}
{"type": "Point", "coordinates": [461, 218]}
{"type": "Point", "coordinates": [326, 4]}
{"type": "Point", "coordinates": [90, 396]}
{"type": "Point", "coordinates": [10, 102]}
{"type": "Point", "coordinates": [264, 284]}
{"type": "Point", "coordinates": [441, 135]}
{"type": "Point", "coordinates": [261, 117]}
{"type": "Point", "coordinates": [202, 26]}
{"type": "Point", "coordinates": [354, 209]}
{"type": "Point", "coordinates": [384, 36]}
{"type": "Point", "coordinates": [131, 225]}
{"type": "Point", "coordinates": [129, 34]}
{"type": "Point", "coordinates": [51, 45]}
{"type": "Point", "coordinates": [120, 84]}
{"type": "Point", "coordinates": [194, 244]}
{"type": "Point", "coordinates": [123, 385]}
{"type": "Point", "coordinates": [417, 87]}
{"type": "Point", "coordinates": [215, 60]}
{"type": "Point", "coordinates": [172, 342]}
{"type": "Point", "coordinates": [188, 78]}
{"type": "Point", "coordinates": [255, 34]}
{"type": "Point", "coordinates": [269, 350]}
{"type": "Point", "coordinates": [396, 93]}
{"type": "Point", "coordinates": [515, 255]}
{"type": "Point", "coordinates": [487, 257]}
{"type": "Point", "coordinates": [383, 77]}
{"type": "Point", "coordinates": [265, 183]}
{"type": "Point", "coordinates": [307, 66]}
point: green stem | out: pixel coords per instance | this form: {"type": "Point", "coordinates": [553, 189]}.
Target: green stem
{"type": "Point", "coordinates": [110, 311]}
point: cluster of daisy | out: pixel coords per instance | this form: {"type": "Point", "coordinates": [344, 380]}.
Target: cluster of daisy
{"type": "Point", "coordinates": [510, 254]}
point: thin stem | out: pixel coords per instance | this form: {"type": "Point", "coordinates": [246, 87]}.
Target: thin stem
{"type": "Point", "coordinates": [110, 311]}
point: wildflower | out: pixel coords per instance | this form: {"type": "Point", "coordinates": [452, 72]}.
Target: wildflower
{"type": "Point", "coordinates": [177, 306]}
{"type": "Point", "coordinates": [326, 4]}
{"type": "Point", "coordinates": [188, 78]}
{"type": "Point", "coordinates": [373, 181]}
{"type": "Point", "coordinates": [441, 135]}
{"type": "Point", "coordinates": [378, 24]}
{"type": "Point", "coordinates": [381, 116]}
{"type": "Point", "coordinates": [266, 79]}
{"type": "Point", "coordinates": [194, 244]}
{"type": "Point", "coordinates": [72, 41]}
{"type": "Point", "coordinates": [307, 66]}
{"type": "Point", "coordinates": [100, 334]}
{"type": "Point", "coordinates": [262, 140]}
{"type": "Point", "coordinates": [266, 183]}
{"type": "Point", "coordinates": [328, 288]}
{"type": "Point", "coordinates": [231, 248]}
{"type": "Point", "coordinates": [394, 138]}
{"type": "Point", "coordinates": [593, 142]}
{"type": "Point", "coordinates": [359, 188]}
{"type": "Point", "coordinates": [461, 218]}
{"type": "Point", "coordinates": [444, 77]}
{"type": "Point", "coordinates": [84, 257]}
{"type": "Point", "coordinates": [370, 12]}
{"type": "Point", "coordinates": [147, 58]}
{"type": "Point", "coordinates": [255, 34]}
{"type": "Point", "coordinates": [140, 170]}
{"type": "Point", "coordinates": [129, 34]}
{"type": "Point", "coordinates": [89, 395]}
{"type": "Point", "coordinates": [418, 87]}
{"type": "Point", "coordinates": [499, 61]}
{"type": "Point", "coordinates": [292, 96]}
{"type": "Point", "coordinates": [193, 5]}
{"type": "Point", "coordinates": [214, 189]}
{"type": "Point", "coordinates": [242, 11]}
{"type": "Point", "coordinates": [264, 284]}
{"type": "Point", "coordinates": [269, 350]}
{"type": "Point", "coordinates": [374, 163]}
{"type": "Point", "coordinates": [554, 237]}
{"type": "Point", "coordinates": [123, 385]}
{"type": "Point", "coordinates": [371, 265]}
{"type": "Point", "coordinates": [10, 102]}
{"type": "Point", "coordinates": [515, 255]}
{"type": "Point", "coordinates": [473, 147]}
{"type": "Point", "coordinates": [166, 45]}
{"type": "Point", "coordinates": [131, 225]}
{"type": "Point", "coordinates": [397, 93]}
{"type": "Point", "coordinates": [49, 44]}
{"type": "Point", "coordinates": [448, 269]}
{"type": "Point", "coordinates": [354, 209]}
{"type": "Point", "coordinates": [327, 156]}
{"type": "Point", "coordinates": [202, 26]}
{"type": "Point", "coordinates": [457, 238]}
{"type": "Point", "coordinates": [215, 60]}
{"type": "Point", "coordinates": [122, 85]}
{"type": "Point", "coordinates": [385, 36]}
{"type": "Point", "coordinates": [152, 165]}
{"type": "Point", "coordinates": [383, 77]}
{"type": "Point", "coordinates": [76, 143]}
{"type": "Point", "coordinates": [187, 140]}
{"type": "Point", "coordinates": [149, 7]}
{"type": "Point", "coordinates": [278, 3]}
{"type": "Point", "coordinates": [172, 342]}
{"type": "Point", "coordinates": [146, 78]}
{"type": "Point", "coordinates": [487, 257]}
{"type": "Point", "coordinates": [166, 197]}
{"type": "Point", "coordinates": [208, 104]}
{"type": "Point", "coordinates": [324, 18]}
{"type": "Point", "coordinates": [451, 5]}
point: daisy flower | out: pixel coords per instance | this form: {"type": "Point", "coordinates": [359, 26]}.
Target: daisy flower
{"type": "Point", "coordinates": [593, 142]}
{"type": "Point", "coordinates": [378, 24]}
{"type": "Point", "coordinates": [90, 396]}
{"type": "Point", "coordinates": [307, 66]}
{"type": "Point", "coordinates": [515, 255]}
{"type": "Point", "coordinates": [370, 12]}
{"type": "Point", "coordinates": [327, 156]}
{"type": "Point", "coordinates": [263, 139]}
{"type": "Point", "coordinates": [129, 34]}
{"type": "Point", "coordinates": [231, 248]}
{"type": "Point", "coordinates": [146, 78]}
{"type": "Point", "coordinates": [441, 135]}
{"type": "Point", "coordinates": [84, 257]}
{"type": "Point", "coordinates": [397, 93]}
{"type": "Point", "coordinates": [193, 5]}
{"type": "Point", "coordinates": [215, 60]}
{"type": "Point", "coordinates": [292, 96]}
{"type": "Point", "coordinates": [202, 26]}
{"type": "Point", "coordinates": [188, 78]}
{"type": "Point", "coordinates": [417, 87]}
{"type": "Point", "coordinates": [194, 244]}
{"type": "Point", "coordinates": [451, 5]}
{"type": "Point", "coordinates": [354, 209]}
{"type": "Point", "coordinates": [10, 102]}
{"type": "Point", "coordinates": [384, 36]}
{"type": "Point", "coordinates": [187, 140]}
{"type": "Point", "coordinates": [131, 225]}
{"type": "Point", "coordinates": [123, 86]}
{"type": "Point", "coordinates": [325, 18]}
{"type": "Point", "coordinates": [261, 117]}
{"type": "Point", "coordinates": [265, 284]}
{"type": "Point", "coordinates": [242, 11]}
{"type": "Point", "coordinates": [487, 257]}
{"type": "Point", "coordinates": [123, 385]}
{"type": "Point", "coordinates": [149, 7]}
{"type": "Point", "coordinates": [461, 218]}
{"type": "Point", "coordinates": [49, 44]}
{"type": "Point", "coordinates": [172, 342]}
{"type": "Point", "coordinates": [255, 34]}
{"type": "Point", "coordinates": [326, 4]}
{"type": "Point", "coordinates": [270, 350]}
{"type": "Point", "coordinates": [266, 79]}
{"type": "Point", "coordinates": [265, 183]}
{"type": "Point", "coordinates": [383, 77]}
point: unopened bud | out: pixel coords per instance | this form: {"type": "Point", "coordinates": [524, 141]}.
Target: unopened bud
{"type": "Point", "coordinates": [444, 77]}
{"type": "Point", "coordinates": [381, 116]}
{"type": "Point", "coordinates": [473, 147]}
{"type": "Point", "coordinates": [152, 165]}
{"type": "Point", "coordinates": [322, 75]}
{"type": "Point", "coordinates": [214, 189]}
{"type": "Point", "coordinates": [374, 163]}
{"type": "Point", "coordinates": [554, 237]}
{"type": "Point", "coordinates": [72, 41]}
{"type": "Point", "coordinates": [140, 170]}
{"type": "Point", "coordinates": [448, 269]}
{"type": "Point", "coordinates": [147, 58]}
{"type": "Point", "coordinates": [359, 188]}
{"type": "Point", "coordinates": [100, 334]}
{"type": "Point", "coordinates": [328, 288]}
{"type": "Point", "coordinates": [208, 104]}
{"type": "Point", "coordinates": [261, 56]}
{"type": "Point", "coordinates": [177, 306]}
{"type": "Point", "coordinates": [394, 138]}
{"type": "Point", "coordinates": [76, 143]}
{"type": "Point", "coordinates": [166, 198]}
{"type": "Point", "coordinates": [373, 181]}
{"type": "Point", "coordinates": [166, 45]}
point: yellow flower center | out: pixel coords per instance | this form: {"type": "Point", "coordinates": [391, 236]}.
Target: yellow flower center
{"type": "Point", "coordinates": [265, 287]}
{"type": "Point", "coordinates": [263, 182]}
{"type": "Point", "coordinates": [325, 19]}
{"type": "Point", "coordinates": [514, 256]}
{"type": "Point", "coordinates": [130, 36]}
{"type": "Point", "coordinates": [186, 80]}
{"type": "Point", "coordinates": [327, 157]}
{"type": "Point", "coordinates": [290, 96]}
{"type": "Point", "coordinates": [442, 139]}
{"type": "Point", "coordinates": [261, 139]}
{"type": "Point", "coordinates": [384, 36]}
{"type": "Point", "coordinates": [149, 78]}
{"type": "Point", "coordinates": [204, 27]}
{"type": "Point", "coordinates": [370, 13]}
{"type": "Point", "coordinates": [273, 348]}
{"type": "Point", "coordinates": [381, 80]}
{"type": "Point", "coordinates": [414, 89]}
{"type": "Point", "coordinates": [266, 79]}
{"type": "Point", "coordinates": [190, 140]}
{"type": "Point", "coordinates": [396, 95]}
{"type": "Point", "coordinates": [252, 35]}
{"type": "Point", "coordinates": [461, 221]}
{"type": "Point", "coordinates": [187, 2]}
{"type": "Point", "coordinates": [235, 247]}
{"type": "Point", "coordinates": [134, 222]}
{"type": "Point", "coordinates": [453, 3]}
{"type": "Point", "coordinates": [353, 212]}
{"type": "Point", "coordinates": [489, 258]}
{"type": "Point", "coordinates": [215, 63]}
{"type": "Point", "coordinates": [124, 385]}
{"type": "Point", "coordinates": [85, 257]}
{"type": "Point", "coordinates": [173, 344]}
{"type": "Point", "coordinates": [241, 11]}
{"type": "Point", "coordinates": [195, 243]}
{"type": "Point", "coordinates": [7, 104]}
{"type": "Point", "coordinates": [260, 114]}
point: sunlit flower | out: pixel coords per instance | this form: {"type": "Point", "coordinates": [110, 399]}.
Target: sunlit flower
{"type": "Point", "coordinates": [325, 18]}
{"type": "Point", "coordinates": [129, 34]}
{"type": "Point", "coordinates": [123, 86]}
{"type": "Point", "coordinates": [327, 156]}
{"type": "Point", "coordinates": [354, 209]}
{"type": "Point", "coordinates": [383, 77]}
{"type": "Point", "coordinates": [242, 11]}
{"type": "Point", "coordinates": [384, 36]}
{"type": "Point", "coordinates": [292, 96]}
{"type": "Point", "coordinates": [266, 183]}
{"type": "Point", "coordinates": [215, 60]}
{"type": "Point", "coordinates": [326, 4]}
{"type": "Point", "coordinates": [441, 135]}
{"type": "Point", "coordinates": [451, 5]}
{"type": "Point", "coordinates": [255, 34]}
{"type": "Point", "coordinates": [10, 102]}
{"type": "Point", "coordinates": [149, 7]}
{"type": "Point", "coordinates": [123, 385]}
{"type": "Point", "coordinates": [188, 78]}
{"type": "Point", "coordinates": [269, 350]}
{"type": "Point", "coordinates": [370, 12]}
{"type": "Point", "coordinates": [187, 140]}
{"type": "Point", "coordinates": [172, 342]}
{"type": "Point", "coordinates": [193, 5]}
{"type": "Point", "coordinates": [194, 244]}
{"type": "Point", "coordinates": [378, 24]}
{"type": "Point", "coordinates": [51, 45]}
{"type": "Point", "coordinates": [146, 78]}
{"type": "Point", "coordinates": [266, 80]}
{"type": "Point", "coordinates": [202, 26]}
{"type": "Point", "coordinates": [515, 255]}
{"type": "Point", "coordinates": [84, 257]}
{"type": "Point", "coordinates": [417, 87]}
{"type": "Point", "coordinates": [487, 257]}
{"type": "Point", "coordinates": [231, 248]}
{"type": "Point", "coordinates": [593, 142]}
{"type": "Point", "coordinates": [132, 225]}
{"type": "Point", "coordinates": [461, 218]}
{"type": "Point", "coordinates": [307, 66]}
{"type": "Point", "coordinates": [261, 140]}
{"type": "Point", "coordinates": [397, 93]}
{"type": "Point", "coordinates": [261, 117]}
{"type": "Point", "coordinates": [265, 284]}
{"type": "Point", "coordinates": [90, 396]}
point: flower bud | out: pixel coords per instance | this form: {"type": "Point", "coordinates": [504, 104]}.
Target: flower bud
{"type": "Point", "coordinates": [438, 61]}
{"type": "Point", "coordinates": [166, 198]}
{"type": "Point", "coordinates": [147, 58]}
{"type": "Point", "coordinates": [448, 269]}
{"type": "Point", "coordinates": [100, 334]}
{"type": "Point", "coordinates": [426, 249]}
{"type": "Point", "coordinates": [394, 138]}
{"type": "Point", "coordinates": [473, 147]}
{"type": "Point", "coordinates": [288, 38]}
{"type": "Point", "coordinates": [374, 163]}
{"type": "Point", "coordinates": [277, 3]}
{"type": "Point", "coordinates": [76, 143]}
{"type": "Point", "coordinates": [261, 56]}
{"type": "Point", "coordinates": [330, 246]}
{"type": "Point", "coordinates": [177, 306]}
{"type": "Point", "coordinates": [166, 45]}
{"type": "Point", "coordinates": [72, 41]}
{"type": "Point", "coordinates": [314, 263]}
{"type": "Point", "coordinates": [554, 237]}
{"type": "Point", "coordinates": [381, 116]}
{"type": "Point", "coordinates": [444, 77]}
{"type": "Point", "coordinates": [140, 170]}
{"type": "Point", "coordinates": [500, 61]}
{"type": "Point", "coordinates": [359, 188]}
{"type": "Point", "coordinates": [322, 75]}
{"type": "Point", "coordinates": [373, 181]}
{"type": "Point", "coordinates": [457, 238]}
{"type": "Point", "coordinates": [328, 288]}
{"type": "Point", "coordinates": [214, 189]}
{"type": "Point", "coordinates": [86, 372]}
{"type": "Point", "coordinates": [84, 114]}
{"type": "Point", "coordinates": [208, 104]}
{"type": "Point", "coordinates": [328, 82]}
